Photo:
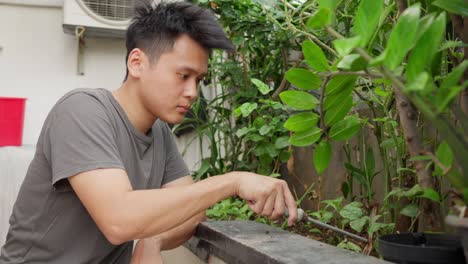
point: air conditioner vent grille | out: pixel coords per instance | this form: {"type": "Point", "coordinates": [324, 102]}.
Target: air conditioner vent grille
{"type": "Point", "coordinates": [115, 10]}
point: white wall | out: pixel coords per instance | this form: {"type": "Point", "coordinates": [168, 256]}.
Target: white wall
{"type": "Point", "coordinates": [38, 61]}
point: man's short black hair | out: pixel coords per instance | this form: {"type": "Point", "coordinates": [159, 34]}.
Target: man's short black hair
{"type": "Point", "coordinates": [155, 28]}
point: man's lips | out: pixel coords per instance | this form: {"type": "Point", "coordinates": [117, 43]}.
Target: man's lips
{"type": "Point", "coordinates": [183, 108]}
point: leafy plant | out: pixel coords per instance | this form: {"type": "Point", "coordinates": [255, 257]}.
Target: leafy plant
{"type": "Point", "coordinates": [264, 132]}
{"type": "Point", "coordinates": [230, 209]}
{"type": "Point", "coordinates": [371, 56]}
{"type": "Point", "coordinates": [366, 68]}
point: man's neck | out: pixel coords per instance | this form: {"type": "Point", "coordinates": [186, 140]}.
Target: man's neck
{"type": "Point", "coordinates": [127, 96]}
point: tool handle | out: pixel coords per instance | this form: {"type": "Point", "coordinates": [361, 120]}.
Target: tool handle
{"type": "Point", "coordinates": [300, 214]}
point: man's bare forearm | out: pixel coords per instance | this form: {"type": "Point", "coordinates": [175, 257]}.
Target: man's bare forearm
{"type": "Point", "coordinates": [141, 210]}
{"type": "Point", "coordinates": [123, 214]}
{"type": "Point", "coordinates": [180, 234]}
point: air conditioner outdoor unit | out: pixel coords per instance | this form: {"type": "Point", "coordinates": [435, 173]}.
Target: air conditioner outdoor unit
{"type": "Point", "coordinates": [98, 18]}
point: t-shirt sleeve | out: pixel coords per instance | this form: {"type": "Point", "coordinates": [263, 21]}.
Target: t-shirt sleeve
{"type": "Point", "coordinates": [80, 138]}
{"type": "Point", "coordinates": [175, 166]}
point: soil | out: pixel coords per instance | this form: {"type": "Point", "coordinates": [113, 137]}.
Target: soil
{"type": "Point", "coordinates": [326, 236]}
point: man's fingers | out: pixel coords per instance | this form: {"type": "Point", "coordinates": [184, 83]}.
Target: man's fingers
{"type": "Point", "coordinates": [269, 204]}
{"type": "Point", "coordinates": [259, 203]}
{"type": "Point", "coordinates": [279, 206]}
{"type": "Point", "coordinates": [290, 203]}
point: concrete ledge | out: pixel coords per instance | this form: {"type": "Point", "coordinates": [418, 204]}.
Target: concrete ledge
{"type": "Point", "coordinates": [247, 242]}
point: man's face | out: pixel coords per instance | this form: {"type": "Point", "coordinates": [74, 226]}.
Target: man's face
{"type": "Point", "coordinates": [170, 85]}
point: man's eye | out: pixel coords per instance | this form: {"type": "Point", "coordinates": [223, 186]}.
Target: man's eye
{"type": "Point", "coordinates": [183, 76]}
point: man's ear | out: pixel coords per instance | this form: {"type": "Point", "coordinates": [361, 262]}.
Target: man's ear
{"type": "Point", "coordinates": [135, 62]}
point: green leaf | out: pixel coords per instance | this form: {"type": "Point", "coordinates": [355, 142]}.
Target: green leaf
{"type": "Point", "coordinates": [358, 224]}
{"type": "Point", "coordinates": [426, 48]}
{"type": "Point", "coordinates": [402, 38]}
{"type": "Point", "coordinates": [430, 194]}
{"type": "Point", "coordinates": [410, 210]}
{"type": "Point", "coordinates": [319, 19]}
{"type": "Point", "coordinates": [282, 142]}
{"type": "Point", "coordinates": [245, 109]}
{"type": "Point", "coordinates": [322, 156]}
{"type": "Point", "coordinates": [303, 79]}
{"type": "Point", "coordinates": [345, 46]}
{"type": "Point", "coordinates": [445, 156]}
{"type": "Point", "coordinates": [419, 84]}
{"type": "Point", "coordinates": [335, 204]}
{"type": "Point", "coordinates": [454, 77]}
{"type": "Point", "coordinates": [336, 99]}
{"type": "Point", "coordinates": [205, 166]}
{"type": "Point", "coordinates": [285, 155]}
{"type": "Point", "coordinates": [450, 44]}
{"type": "Point", "coordinates": [370, 162]}
{"type": "Point", "coordinates": [315, 230]}
{"type": "Point", "coordinates": [244, 131]}
{"type": "Point", "coordinates": [254, 137]}
{"type": "Point", "coordinates": [345, 189]}
{"type": "Point", "coordinates": [352, 211]}
{"type": "Point", "coordinates": [380, 92]}
{"type": "Point", "coordinates": [375, 227]}
{"type": "Point", "coordinates": [306, 138]}
{"type": "Point", "coordinates": [330, 4]}
{"type": "Point", "coordinates": [265, 149]}
{"type": "Point", "coordinates": [392, 143]}
{"type": "Point", "coordinates": [273, 104]}
{"type": "Point", "coordinates": [345, 129]}
{"type": "Point", "coordinates": [367, 19]}
{"type": "Point", "coordinates": [449, 89]}
{"type": "Point", "coordinates": [337, 113]}
{"type": "Point", "coordinates": [265, 129]}
{"type": "Point", "coordinates": [413, 192]}
{"type": "Point", "coordinates": [349, 245]}
{"type": "Point", "coordinates": [262, 87]}
{"type": "Point", "coordinates": [301, 122]}
{"type": "Point", "coordinates": [314, 56]}
{"type": "Point", "coordinates": [458, 7]}
{"type": "Point", "coordinates": [353, 62]}
{"type": "Point", "coordinates": [299, 100]}
{"type": "Point", "coordinates": [340, 83]}
{"type": "Point", "coordinates": [424, 25]}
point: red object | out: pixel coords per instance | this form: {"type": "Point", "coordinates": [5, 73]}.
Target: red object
{"type": "Point", "coordinates": [11, 121]}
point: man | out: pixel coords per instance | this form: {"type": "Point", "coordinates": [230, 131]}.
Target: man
{"type": "Point", "coordinates": [106, 169]}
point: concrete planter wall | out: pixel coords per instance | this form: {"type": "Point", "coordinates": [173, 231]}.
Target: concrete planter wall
{"type": "Point", "coordinates": [246, 242]}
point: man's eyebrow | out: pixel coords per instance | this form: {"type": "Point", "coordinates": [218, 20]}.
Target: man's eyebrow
{"type": "Point", "coordinates": [188, 68]}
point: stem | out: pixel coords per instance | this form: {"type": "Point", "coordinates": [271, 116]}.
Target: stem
{"type": "Point", "coordinates": [359, 73]}
{"type": "Point", "coordinates": [322, 97]}
{"type": "Point", "coordinates": [309, 189]}
{"type": "Point", "coordinates": [459, 24]}
{"type": "Point", "coordinates": [438, 162]}
{"type": "Point", "coordinates": [307, 34]}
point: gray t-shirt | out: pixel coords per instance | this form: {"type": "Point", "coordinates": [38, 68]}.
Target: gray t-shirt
{"type": "Point", "coordinates": [86, 130]}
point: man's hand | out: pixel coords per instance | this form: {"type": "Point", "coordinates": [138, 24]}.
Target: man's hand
{"type": "Point", "coordinates": [266, 196]}
{"type": "Point", "coordinates": [147, 251]}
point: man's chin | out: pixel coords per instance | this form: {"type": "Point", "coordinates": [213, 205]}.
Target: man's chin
{"type": "Point", "coordinates": [173, 120]}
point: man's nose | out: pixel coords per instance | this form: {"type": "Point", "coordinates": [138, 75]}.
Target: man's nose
{"type": "Point", "coordinates": [191, 90]}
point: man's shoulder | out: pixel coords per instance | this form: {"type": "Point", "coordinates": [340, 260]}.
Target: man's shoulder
{"type": "Point", "coordinates": [83, 99]}
{"type": "Point", "coordinates": [84, 94]}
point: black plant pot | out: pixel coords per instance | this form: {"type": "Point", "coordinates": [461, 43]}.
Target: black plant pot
{"type": "Point", "coordinates": [421, 248]}
{"type": "Point", "coordinates": [461, 225]}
